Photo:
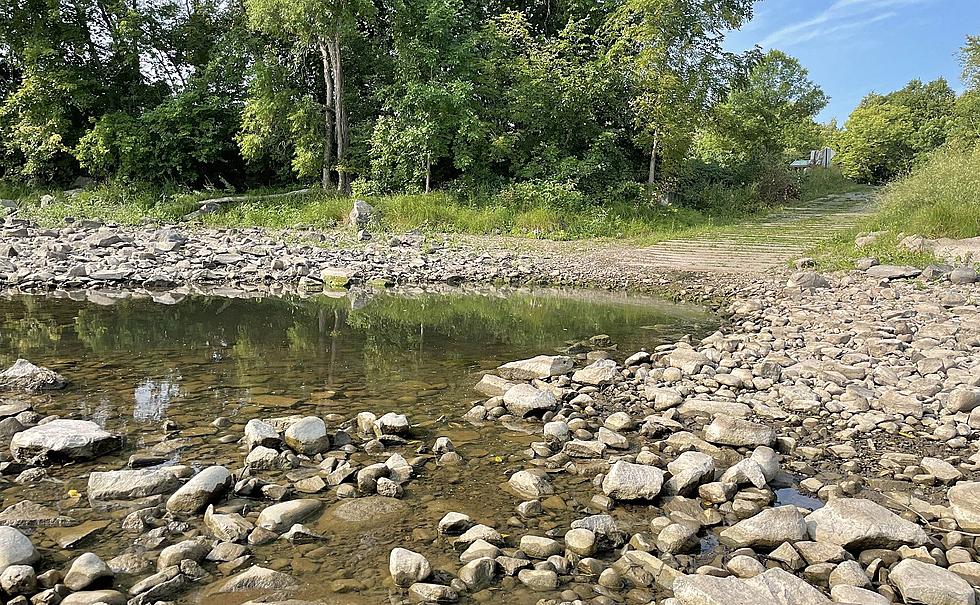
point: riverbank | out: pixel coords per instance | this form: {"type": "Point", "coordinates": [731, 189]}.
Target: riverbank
{"type": "Point", "coordinates": [822, 443]}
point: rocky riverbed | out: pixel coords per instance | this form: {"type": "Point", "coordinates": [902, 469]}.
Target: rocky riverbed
{"type": "Point", "coordinates": [822, 446]}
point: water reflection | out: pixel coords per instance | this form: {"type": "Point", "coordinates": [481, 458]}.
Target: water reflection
{"type": "Point", "coordinates": [153, 397]}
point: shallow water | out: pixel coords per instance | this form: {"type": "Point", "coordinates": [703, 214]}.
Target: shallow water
{"type": "Point", "coordinates": [136, 363]}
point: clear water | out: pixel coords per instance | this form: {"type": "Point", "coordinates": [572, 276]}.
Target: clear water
{"type": "Point", "coordinates": [135, 363]}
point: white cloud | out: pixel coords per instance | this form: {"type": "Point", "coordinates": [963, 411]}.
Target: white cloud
{"type": "Point", "coordinates": [841, 16]}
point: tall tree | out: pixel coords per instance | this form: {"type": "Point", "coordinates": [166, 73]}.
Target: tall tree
{"type": "Point", "coordinates": [672, 52]}
{"type": "Point", "coordinates": [320, 24]}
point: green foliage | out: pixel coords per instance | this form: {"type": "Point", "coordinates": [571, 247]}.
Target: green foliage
{"type": "Point", "coordinates": [940, 198]}
{"type": "Point", "coordinates": [875, 145]}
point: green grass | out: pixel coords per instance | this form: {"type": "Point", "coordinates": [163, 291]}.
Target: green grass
{"type": "Point", "coordinates": [940, 199]}
{"type": "Point", "coordinates": [435, 212]}
{"type": "Point", "coordinates": [820, 182]}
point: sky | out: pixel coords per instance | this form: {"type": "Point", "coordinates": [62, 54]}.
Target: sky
{"type": "Point", "coordinates": [853, 47]}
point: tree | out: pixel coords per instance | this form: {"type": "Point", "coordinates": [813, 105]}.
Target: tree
{"type": "Point", "coordinates": [771, 113]}
{"type": "Point", "coordinates": [930, 109]}
{"type": "Point", "coordinates": [875, 144]}
{"type": "Point", "coordinates": [672, 53]}
{"type": "Point", "coordinates": [320, 24]}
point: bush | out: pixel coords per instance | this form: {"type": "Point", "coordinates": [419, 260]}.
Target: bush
{"type": "Point", "coordinates": [541, 193]}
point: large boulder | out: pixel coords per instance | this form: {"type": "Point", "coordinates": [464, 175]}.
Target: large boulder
{"type": "Point", "coordinates": [859, 524]}
{"type": "Point", "coordinates": [628, 481]}
{"type": "Point", "coordinates": [259, 433]}
{"type": "Point", "coordinates": [727, 430]}
{"type": "Point", "coordinates": [61, 441]}
{"type": "Point", "coordinates": [768, 529]}
{"type": "Point", "coordinates": [125, 484]}
{"type": "Point", "coordinates": [85, 571]}
{"type": "Point", "coordinates": [16, 549]}
{"type": "Point", "coordinates": [964, 501]}
{"type": "Point", "coordinates": [203, 489]}
{"type": "Point", "coordinates": [361, 214]}
{"type": "Point", "coordinates": [542, 366]}
{"type": "Point", "coordinates": [928, 584]}
{"type": "Point", "coordinates": [26, 377]}
{"type": "Point", "coordinates": [524, 400]}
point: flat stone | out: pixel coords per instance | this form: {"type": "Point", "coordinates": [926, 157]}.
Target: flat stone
{"type": "Point", "coordinates": [964, 501]}
{"type": "Point", "coordinates": [26, 377]}
{"type": "Point", "coordinates": [768, 529]}
{"type": "Point", "coordinates": [542, 366]}
{"type": "Point", "coordinates": [257, 578]}
{"type": "Point", "coordinates": [524, 400]}
{"type": "Point", "coordinates": [282, 516]}
{"type": "Point", "coordinates": [628, 481]}
{"type": "Point", "coordinates": [62, 441]}
{"type": "Point", "coordinates": [920, 582]}
{"type": "Point", "coordinates": [127, 484]}
{"type": "Point", "coordinates": [727, 430]}
{"type": "Point", "coordinates": [859, 524]}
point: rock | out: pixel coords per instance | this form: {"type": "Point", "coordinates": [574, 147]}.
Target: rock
{"type": "Point", "coordinates": [258, 433]}
{"type": "Point", "coordinates": [61, 441]}
{"type": "Point", "coordinates": [93, 597]}
{"type": "Point", "coordinates": [726, 430]}
{"type": "Point", "coordinates": [537, 547]}
{"type": "Point", "coordinates": [391, 424]}
{"type": "Point", "coordinates": [857, 596]}
{"type": "Point", "coordinates": [26, 377]}
{"type": "Point", "coordinates": [27, 514]}
{"type": "Point", "coordinates": [542, 366]}
{"type": "Point", "coordinates": [963, 275]}
{"type": "Point", "coordinates": [282, 516]}
{"type": "Point", "coordinates": [893, 402]}
{"type": "Point", "coordinates": [203, 489]}
{"type": "Point", "coordinates": [124, 485]}
{"type": "Point", "coordinates": [859, 524]}
{"type": "Point", "coordinates": [920, 582]}
{"type": "Point", "coordinates": [600, 372]}
{"type": "Point", "coordinates": [478, 574]}
{"type": "Point", "coordinates": [85, 571]}
{"type": "Point", "coordinates": [530, 485]}
{"type": "Point", "coordinates": [538, 580]}
{"type": "Point", "coordinates": [809, 280]}
{"type": "Point", "coordinates": [687, 360]}
{"type": "Point", "coordinates": [431, 593]}
{"type": "Point", "coordinates": [453, 524]}
{"type": "Point", "coordinates": [478, 532]}
{"type": "Point", "coordinates": [892, 272]}
{"type": "Point", "coordinates": [768, 529]}
{"type": "Point", "coordinates": [964, 501]}
{"type": "Point", "coordinates": [628, 481]}
{"type": "Point", "coordinates": [524, 400]}
{"type": "Point", "coordinates": [493, 386]}
{"type": "Point", "coordinates": [257, 578]}
{"type": "Point", "coordinates": [773, 587]}
{"type": "Point", "coordinates": [227, 528]}
{"type": "Point", "coordinates": [963, 400]}
{"type": "Point", "coordinates": [336, 278]}
{"type": "Point", "coordinates": [16, 549]}
{"type": "Point", "coordinates": [940, 469]}
{"type": "Point", "coordinates": [361, 214]}
{"type": "Point", "coordinates": [194, 549]}
{"type": "Point", "coordinates": [688, 470]}
{"type": "Point", "coordinates": [307, 436]}
{"type": "Point", "coordinates": [18, 579]}
{"type": "Point", "coordinates": [581, 542]}
{"type": "Point", "coordinates": [677, 538]}
{"type": "Point", "coordinates": [407, 567]}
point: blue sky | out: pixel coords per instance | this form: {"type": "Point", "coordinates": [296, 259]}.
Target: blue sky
{"type": "Point", "coordinates": [852, 47]}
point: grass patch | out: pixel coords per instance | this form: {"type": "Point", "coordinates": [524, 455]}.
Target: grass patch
{"type": "Point", "coordinates": [821, 182]}
{"type": "Point", "coordinates": [514, 214]}
{"type": "Point", "coordinates": [940, 199]}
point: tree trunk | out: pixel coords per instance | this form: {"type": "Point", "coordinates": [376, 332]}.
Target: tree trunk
{"type": "Point", "coordinates": [340, 112]}
{"type": "Point", "coordinates": [428, 172]}
{"type": "Point", "coordinates": [328, 117]}
{"type": "Point", "coordinates": [652, 175]}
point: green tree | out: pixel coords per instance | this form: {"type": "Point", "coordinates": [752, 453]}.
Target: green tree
{"type": "Point", "coordinates": [677, 68]}
{"type": "Point", "coordinates": [930, 110]}
{"type": "Point", "coordinates": [323, 25]}
{"type": "Point", "coordinates": [875, 144]}
{"type": "Point", "coordinates": [771, 113]}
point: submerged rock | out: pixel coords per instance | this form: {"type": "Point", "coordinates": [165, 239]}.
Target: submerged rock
{"type": "Point", "coordinates": [121, 485]}
{"type": "Point", "coordinates": [258, 578]}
